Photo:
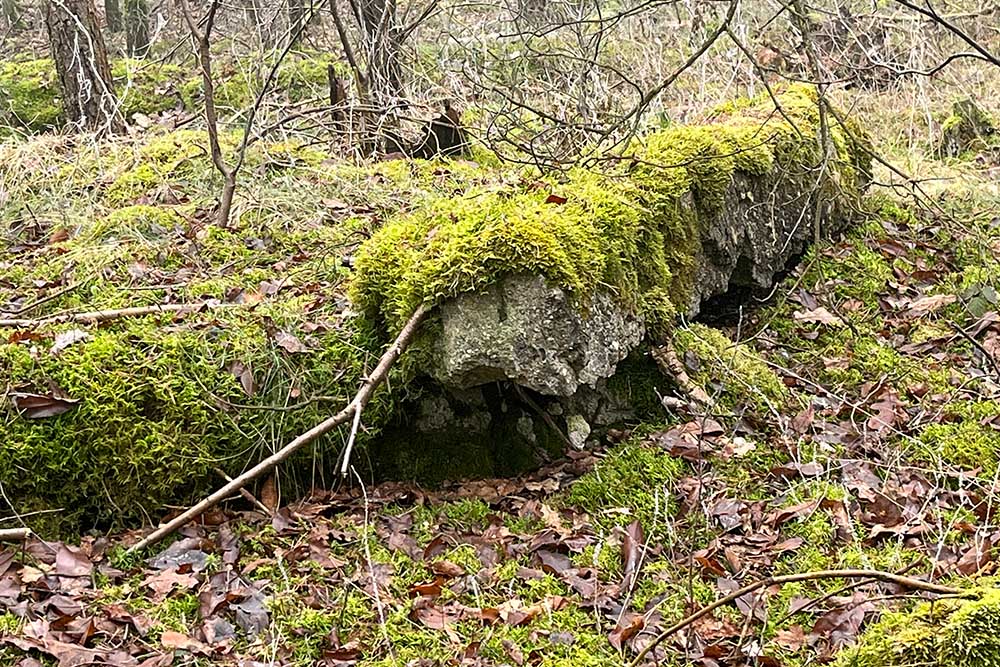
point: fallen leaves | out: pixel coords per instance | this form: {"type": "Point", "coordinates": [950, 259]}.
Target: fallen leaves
{"type": "Point", "coordinates": [42, 406]}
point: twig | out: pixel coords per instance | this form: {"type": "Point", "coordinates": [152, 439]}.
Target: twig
{"type": "Point", "coordinates": [878, 575]}
{"type": "Point", "coordinates": [14, 534]}
{"type": "Point", "coordinates": [355, 406]}
{"type": "Point", "coordinates": [666, 358]}
{"type": "Point", "coordinates": [381, 371]}
{"type": "Point", "coordinates": [647, 99]}
{"type": "Point", "coordinates": [106, 315]}
{"type": "Point", "coordinates": [979, 346]}
{"type": "Point", "coordinates": [246, 494]}
{"type": "Point", "coordinates": [45, 299]}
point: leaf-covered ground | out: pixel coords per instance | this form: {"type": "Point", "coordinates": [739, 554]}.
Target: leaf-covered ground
{"type": "Point", "coordinates": [882, 452]}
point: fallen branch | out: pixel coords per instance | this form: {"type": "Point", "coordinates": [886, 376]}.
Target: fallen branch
{"type": "Point", "coordinates": [355, 407]}
{"type": "Point", "coordinates": [96, 316]}
{"type": "Point", "coordinates": [670, 365]}
{"type": "Point", "coordinates": [14, 534]}
{"type": "Point", "coordinates": [246, 494]}
{"type": "Point", "coordinates": [878, 575]}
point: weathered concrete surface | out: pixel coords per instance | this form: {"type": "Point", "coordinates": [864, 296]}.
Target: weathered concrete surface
{"type": "Point", "coordinates": [761, 229]}
{"type": "Point", "coordinates": [534, 335]}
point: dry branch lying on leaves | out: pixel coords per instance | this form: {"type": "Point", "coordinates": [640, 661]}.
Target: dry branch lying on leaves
{"type": "Point", "coordinates": [14, 534]}
{"type": "Point", "coordinates": [95, 316]}
{"type": "Point", "coordinates": [351, 412]}
{"type": "Point", "coordinates": [877, 575]}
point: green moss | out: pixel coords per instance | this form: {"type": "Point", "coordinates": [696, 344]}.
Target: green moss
{"type": "Point", "coordinates": [962, 439]}
{"type": "Point", "coordinates": [634, 229]}
{"type": "Point", "coordinates": [301, 76]}
{"type": "Point", "coordinates": [31, 97]}
{"type": "Point", "coordinates": [733, 372]}
{"type": "Point", "coordinates": [9, 624]}
{"type": "Point", "coordinates": [147, 88]}
{"type": "Point", "coordinates": [29, 91]}
{"type": "Point", "coordinates": [945, 633]}
{"type": "Point", "coordinates": [967, 130]}
{"type": "Point", "coordinates": [179, 614]}
{"type": "Point", "coordinates": [634, 482]}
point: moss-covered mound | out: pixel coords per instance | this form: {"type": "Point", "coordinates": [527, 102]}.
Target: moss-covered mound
{"type": "Point", "coordinates": [945, 633]}
{"type": "Point", "coordinates": [109, 422]}
{"type": "Point", "coordinates": [156, 403]}
{"type": "Point", "coordinates": [635, 226]}
{"type": "Point", "coordinates": [733, 373]}
{"type": "Point", "coordinates": [30, 99]}
{"type": "Point", "coordinates": [968, 129]}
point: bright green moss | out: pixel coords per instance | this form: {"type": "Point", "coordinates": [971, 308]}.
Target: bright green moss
{"type": "Point", "coordinates": [300, 77]}
{"type": "Point", "coordinates": [962, 439]}
{"type": "Point", "coordinates": [29, 95]}
{"type": "Point", "coordinates": [146, 88]}
{"type": "Point", "coordinates": [733, 372]}
{"type": "Point", "coordinates": [29, 89]}
{"type": "Point", "coordinates": [945, 633]}
{"type": "Point", "coordinates": [634, 229]}
{"type": "Point", "coordinates": [634, 482]}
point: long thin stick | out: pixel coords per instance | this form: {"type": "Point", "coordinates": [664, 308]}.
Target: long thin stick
{"type": "Point", "coordinates": [14, 534]}
{"type": "Point", "coordinates": [356, 405]}
{"type": "Point", "coordinates": [377, 376]}
{"type": "Point", "coordinates": [105, 315]}
{"type": "Point", "coordinates": [906, 582]}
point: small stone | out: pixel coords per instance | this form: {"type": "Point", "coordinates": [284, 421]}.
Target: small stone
{"type": "Point", "coordinates": [578, 430]}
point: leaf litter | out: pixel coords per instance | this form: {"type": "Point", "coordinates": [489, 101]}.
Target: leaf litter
{"type": "Point", "coordinates": [514, 571]}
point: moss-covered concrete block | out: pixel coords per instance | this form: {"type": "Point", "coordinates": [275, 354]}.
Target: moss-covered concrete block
{"type": "Point", "coordinates": [685, 214]}
{"type": "Point", "coordinates": [961, 632]}
{"type": "Point", "coordinates": [160, 401]}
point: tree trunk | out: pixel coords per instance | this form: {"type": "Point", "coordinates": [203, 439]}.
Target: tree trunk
{"type": "Point", "coordinates": [12, 15]}
{"type": "Point", "coordinates": [113, 14]}
{"type": "Point", "coordinates": [81, 61]}
{"type": "Point", "coordinates": [298, 11]}
{"type": "Point", "coordinates": [382, 43]}
{"type": "Point", "coordinates": [137, 27]}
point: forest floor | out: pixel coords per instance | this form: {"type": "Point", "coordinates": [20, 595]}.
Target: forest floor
{"type": "Point", "coordinates": [884, 456]}
{"type": "Point", "coordinates": [883, 451]}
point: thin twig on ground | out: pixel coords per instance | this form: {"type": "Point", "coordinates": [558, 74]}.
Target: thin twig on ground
{"type": "Point", "coordinates": [14, 534]}
{"type": "Point", "coordinates": [368, 387]}
{"type": "Point", "coordinates": [252, 499]}
{"type": "Point", "coordinates": [96, 316]}
{"type": "Point", "coordinates": [877, 575]}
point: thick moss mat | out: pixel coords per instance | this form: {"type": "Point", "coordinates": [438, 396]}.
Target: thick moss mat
{"type": "Point", "coordinates": [961, 632]}
{"type": "Point", "coordinates": [146, 409]}
{"type": "Point", "coordinates": [632, 225]}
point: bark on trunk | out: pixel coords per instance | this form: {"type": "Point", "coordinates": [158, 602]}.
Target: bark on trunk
{"type": "Point", "coordinates": [81, 61]}
{"type": "Point", "coordinates": [137, 27]}
{"type": "Point", "coordinates": [113, 15]}
{"type": "Point", "coordinates": [12, 15]}
{"type": "Point", "coordinates": [298, 10]}
{"type": "Point", "coordinates": [382, 43]}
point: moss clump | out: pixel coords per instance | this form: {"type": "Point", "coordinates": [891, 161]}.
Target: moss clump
{"type": "Point", "coordinates": [945, 633]}
{"type": "Point", "coordinates": [733, 372]}
{"type": "Point", "coordinates": [967, 129]}
{"type": "Point", "coordinates": [634, 482]}
{"type": "Point", "coordinates": [30, 93]}
{"type": "Point", "coordinates": [145, 88]}
{"type": "Point", "coordinates": [634, 229]}
{"type": "Point", "coordinates": [962, 439]}
{"type": "Point", "coordinates": [300, 76]}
